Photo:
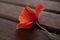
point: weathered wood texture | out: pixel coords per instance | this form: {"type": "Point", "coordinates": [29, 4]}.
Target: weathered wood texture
{"type": "Point", "coordinates": [11, 9]}
{"type": "Point", "coordinates": [49, 5]}
{"type": "Point", "coordinates": [8, 32]}
{"type": "Point", "coordinates": [7, 29]}
{"type": "Point", "coordinates": [53, 0]}
{"type": "Point", "coordinates": [49, 19]}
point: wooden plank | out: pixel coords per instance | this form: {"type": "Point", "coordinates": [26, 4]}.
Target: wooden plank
{"type": "Point", "coordinates": [50, 5]}
{"type": "Point", "coordinates": [54, 0]}
{"type": "Point", "coordinates": [8, 32]}
{"type": "Point", "coordinates": [12, 12]}
{"type": "Point", "coordinates": [7, 29]}
{"type": "Point", "coordinates": [50, 21]}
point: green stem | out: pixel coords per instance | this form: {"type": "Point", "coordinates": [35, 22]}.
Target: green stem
{"type": "Point", "coordinates": [50, 34]}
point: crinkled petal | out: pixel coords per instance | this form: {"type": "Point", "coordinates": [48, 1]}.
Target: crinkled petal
{"type": "Point", "coordinates": [25, 25]}
{"type": "Point", "coordinates": [39, 9]}
{"type": "Point", "coordinates": [26, 18]}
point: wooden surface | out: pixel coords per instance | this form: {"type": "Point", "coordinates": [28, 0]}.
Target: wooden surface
{"type": "Point", "coordinates": [11, 9]}
{"type": "Point", "coordinates": [52, 20]}
{"type": "Point", "coordinates": [49, 5]}
{"type": "Point", "coordinates": [8, 32]}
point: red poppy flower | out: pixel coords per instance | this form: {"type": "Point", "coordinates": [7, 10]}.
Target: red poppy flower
{"type": "Point", "coordinates": [28, 17]}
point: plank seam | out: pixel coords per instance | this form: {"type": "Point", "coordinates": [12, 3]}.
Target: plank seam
{"type": "Point", "coordinates": [22, 5]}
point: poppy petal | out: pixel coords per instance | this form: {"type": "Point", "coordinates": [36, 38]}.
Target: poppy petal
{"type": "Point", "coordinates": [26, 18]}
{"type": "Point", "coordinates": [39, 9]}
{"type": "Point", "coordinates": [25, 25]}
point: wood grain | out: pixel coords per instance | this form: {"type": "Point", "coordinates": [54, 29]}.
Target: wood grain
{"type": "Point", "coordinates": [7, 29]}
{"type": "Point", "coordinates": [49, 5]}
{"type": "Point", "coordinates": [11, 9]}
{"type": "Point", "coordinates": [12, 12]}
{"type": "Point", "coordinates": [54, 0]}
{"type": "Point", "coordinates": [8, 32]}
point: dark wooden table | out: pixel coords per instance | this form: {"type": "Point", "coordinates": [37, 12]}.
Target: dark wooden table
{"type": "Point", "coordinates": [49, 19]}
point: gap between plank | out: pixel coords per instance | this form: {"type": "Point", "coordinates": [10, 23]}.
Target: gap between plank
{"type": "Point", "coordinates": [22, 5]}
